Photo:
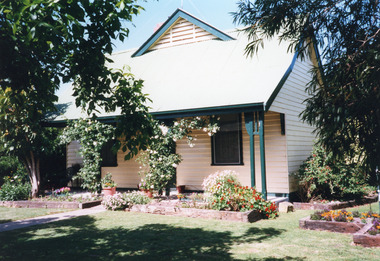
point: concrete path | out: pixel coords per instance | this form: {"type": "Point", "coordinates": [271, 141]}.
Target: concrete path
{"type": "Point", "coordinates": [49, 218]}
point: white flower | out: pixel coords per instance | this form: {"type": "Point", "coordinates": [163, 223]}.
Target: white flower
{"type": "Point", "coordinates": [164, 129]}
{"type": "Point", "coordinates": [174, 139]}
{"type": "Point", "coordinates": [175, 123]}
{"type": "Point", "coordinates": [204, 129]}
{"type": "Point", "coordinates": [209, 133]}
{"type": "Point", "coordinates": [191, 145]}
{"type": "Point", "coordinates": [95, 143]}
{"type": "Point", "coordinates": [174, 165]}
{"type": "Point", "coordinates": [151, 186]}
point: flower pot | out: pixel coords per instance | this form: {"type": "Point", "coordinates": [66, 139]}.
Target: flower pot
{"type": "Point", "coordinates": [181, 189]}
{"type": "Point", "coordinates": [149, 193]}
{"type": "Point", "coordinates": [109, 191]}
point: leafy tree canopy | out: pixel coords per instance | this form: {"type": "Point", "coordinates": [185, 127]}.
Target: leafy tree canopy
{"type": "Point", "coordinates": [44, 43]}
{"type": "Point", "coordinates": [344, 106]}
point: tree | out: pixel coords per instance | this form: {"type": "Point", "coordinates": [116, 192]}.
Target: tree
{"type": "Point", "coordinates": [42, 44]}
{"type": "Point", "coordinates": [345, 89]}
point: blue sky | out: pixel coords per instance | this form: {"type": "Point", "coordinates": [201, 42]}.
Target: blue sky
{"type": "Point", "coordinates": [214, 12]}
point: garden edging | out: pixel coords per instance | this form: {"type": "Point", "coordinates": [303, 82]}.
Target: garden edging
{"type": "Point", "coordinates": [49, 204]}
{"type": "Point", "coordinates": [248, 216]}
{"type": "Point", "coordinates": [334, 205]}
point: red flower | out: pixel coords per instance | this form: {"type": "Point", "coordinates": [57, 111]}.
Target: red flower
{"type": "Point", "coordinates": [251, 206]}
{"type": "Point", "coordinates": [221, 198]}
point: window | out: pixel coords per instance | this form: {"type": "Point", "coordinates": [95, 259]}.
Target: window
{"type": "Point", "coordinates": [109, 158]}
{"type": "Point", "coordinates": [227, 142]}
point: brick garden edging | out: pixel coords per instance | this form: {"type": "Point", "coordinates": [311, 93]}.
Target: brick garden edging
{"type": "Point", "coordinates": [249, 216]}
{"type": "Point", "coordinates": [334, 205]}
{"type": "Point", "coordinates": [49, 204]}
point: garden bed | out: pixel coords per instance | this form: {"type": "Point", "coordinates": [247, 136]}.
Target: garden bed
{"type": "Point", "coordinates": [332, 226]}
{"type": "Point", "coordinates": [49, 204]}
{"type": "Point", "coordinates": [165, 208]}
{"type": "Point", "coordinates": [334, 205]}
{"type": "Point", "coordinates": [364, 239]}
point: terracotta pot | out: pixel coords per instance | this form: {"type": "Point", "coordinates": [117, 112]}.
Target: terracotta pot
{"type": "Point", "coordinates": [181, 189]}
{"type": "Point", "coordinates": [109, 191]}
{"type": "Point", "coordinates": [149, 193]}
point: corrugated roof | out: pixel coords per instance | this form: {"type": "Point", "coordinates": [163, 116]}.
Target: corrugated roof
{"type": "Point", "coordinates": [204, 74]}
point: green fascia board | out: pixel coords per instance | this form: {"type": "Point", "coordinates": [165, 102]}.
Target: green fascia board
{"type": "Point", "coordinates": [289, 70]}
{"type": "Point", "coordinates": [218, 110]}
{"type": "Point", "coordinates": [281, 83]}
{"type": "Point", "coordinates": [171, 20]}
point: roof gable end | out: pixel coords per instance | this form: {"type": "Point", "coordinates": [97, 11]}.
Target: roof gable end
{"type": "Point", "coordinates": [177, 23]}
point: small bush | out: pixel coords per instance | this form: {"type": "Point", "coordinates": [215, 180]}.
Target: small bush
{"type": "Point", "coordinates": [14, 189]}
{"type": "Point", "coordinates": [125, 200]}
{"type": "Point", "coordinates": [317, 215]}
{"type": "Point", "coordinates": [228, 194]}
{"type": "Point", "coordinates": [321, 177]}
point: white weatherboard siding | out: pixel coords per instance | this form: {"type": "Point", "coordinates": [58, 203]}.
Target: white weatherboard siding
{"type": "Point", "coordinates": [126, 173]}
{"type": "Point", "coordinates": [299, 136]}
{"type": "Point", "coordinates": [196, 164]}
{"type": "Point", "coordinates": [72, 154]}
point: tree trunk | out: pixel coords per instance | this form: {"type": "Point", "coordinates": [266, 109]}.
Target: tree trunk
{"type": "Point", "coordinates": [33, 167]}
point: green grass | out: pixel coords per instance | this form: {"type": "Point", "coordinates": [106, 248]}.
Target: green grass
{"type": "Point", "coordinates": [13, 214]}
{"type": "Point", "coordinates": [138, 236]}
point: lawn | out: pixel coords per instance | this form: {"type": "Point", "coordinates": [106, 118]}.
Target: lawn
{"type": "Point", "coordinates": [137, 236]}
{"type": "Point", "coordinates": [13, 214]}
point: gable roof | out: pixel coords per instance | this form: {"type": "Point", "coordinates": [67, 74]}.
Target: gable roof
{"type": "Point", "coordinates": [200, 77]}
{"type": "Point", "coordinates": [172, 21]}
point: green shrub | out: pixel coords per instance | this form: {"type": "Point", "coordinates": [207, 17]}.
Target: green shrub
{"type": "Point", "coordinates": [14, 189]}
{"type": "Point", "coordinates": [10, 166]}
{"type": "Point", "coordinates": [321, 177]}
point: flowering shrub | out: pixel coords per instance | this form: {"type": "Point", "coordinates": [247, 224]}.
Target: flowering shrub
{"type": "Point", "coordinates": [321, 177]}
{"type": "Point", "coordinates": [63, 190]}
{"type": "Point", "coordinates": [227, 194]}
{"type": "Point", "coordinates": [121, 201]}
{"type": "Point", "coordinates": [92, 135]}
{"type": "Point", "coordinates": [160, 161]}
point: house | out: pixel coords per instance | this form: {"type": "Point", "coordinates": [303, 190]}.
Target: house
{"type": "Point", "coordinates": [191, 68]}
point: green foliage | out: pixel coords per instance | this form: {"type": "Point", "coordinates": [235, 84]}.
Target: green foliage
{"type": "Point", "coordinates": [44, 43]}
{"type": "Point", "coordinates": [344, 103]}
{"type": "Point", "coordinates": [92, 135]}
{"type": "Point", "coordinates": [15, 188]}
{"type": "Point", "coordinates": [9, 166]}
{"type": "Point", "coordinates": [125, 200]}
{"type": "Point", "coordinates": [160, 160]}
{"type": "Point", "coordinates": [107, 181]}
{"type": "Point", "coordinates": [227, 194]}
{"type": "Point", "coordinates": [322, 177]}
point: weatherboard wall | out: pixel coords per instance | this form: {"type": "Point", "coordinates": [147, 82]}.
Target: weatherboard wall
{"type": "Point", "coordinates": [299, 136]}
{"type": "Point", "coordinates": [196, 164]}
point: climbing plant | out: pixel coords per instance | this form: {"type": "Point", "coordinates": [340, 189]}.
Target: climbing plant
{"type": "Point", "coordinates": [160, 160]}
{"type": "Point", "coordinates": [92, 135]}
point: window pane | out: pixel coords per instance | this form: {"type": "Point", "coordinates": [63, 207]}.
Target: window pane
{"type": "Point", "coordinates": [227, 141]}
{"type": "Point", "coordinates": [109, 158]}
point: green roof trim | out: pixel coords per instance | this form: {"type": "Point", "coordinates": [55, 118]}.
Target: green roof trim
{"type": "Point", "coordinates": [171, 20]}
{"type": "Point", "coordinates": [281, 83]}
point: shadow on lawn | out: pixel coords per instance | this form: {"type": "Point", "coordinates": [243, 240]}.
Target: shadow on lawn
{"type": "Point", "coordinates": [81, 239]}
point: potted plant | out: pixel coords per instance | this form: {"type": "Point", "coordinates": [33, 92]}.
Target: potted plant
{"type": "Point", "coordinates": [108, 185]}
{"type": "Point", "coordinates": [144, 186]}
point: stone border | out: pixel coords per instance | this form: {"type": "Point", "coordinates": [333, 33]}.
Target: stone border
{"type": "Point", "coordinates": [49, 204]}
{"type": "Point", "coordinates": [335, 205]}
{"type": "Point", "coordinates": [332, 226]}
{"type": "Point", "coordinates": [248, 217]}
{"type": "Point", "coordinates": [364, 239]}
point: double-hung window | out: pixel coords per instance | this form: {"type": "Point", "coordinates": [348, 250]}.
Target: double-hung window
{"type": "Point", "coordinates": [227, 142]}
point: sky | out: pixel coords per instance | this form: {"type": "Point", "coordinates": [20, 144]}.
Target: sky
{"type": "Point", "coordinates": [214, 12]}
